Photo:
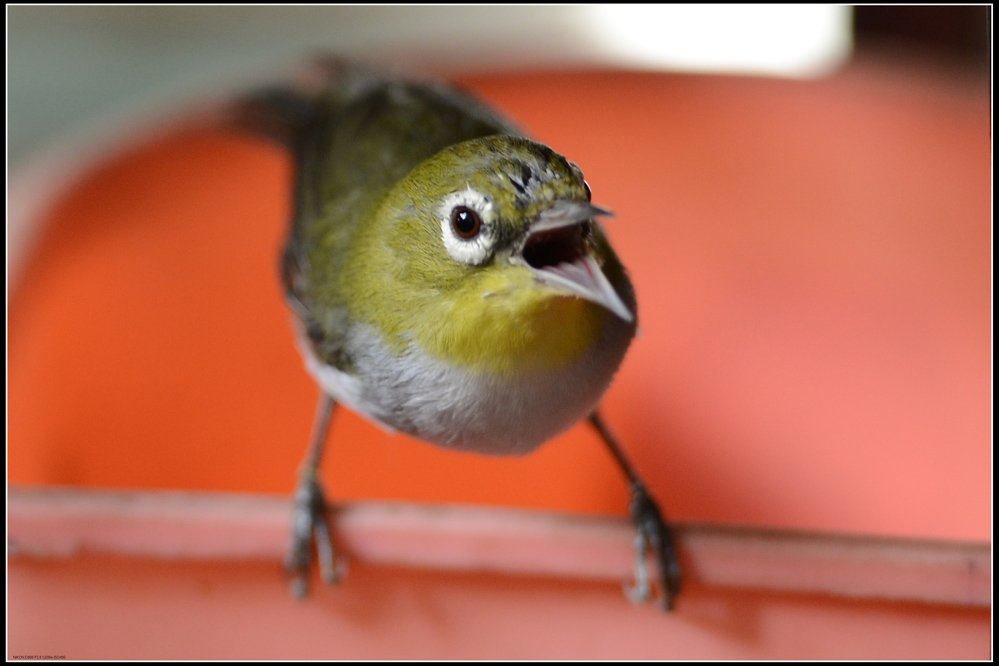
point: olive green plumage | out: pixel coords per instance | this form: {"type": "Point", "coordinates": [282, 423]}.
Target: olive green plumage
{"type": "Point", "coordinates": [362, 136]}
{"type": "Point", "coordinates": [449, 280]}
{"type": "Point", "coordinates": [435, 250]}
{"type": "Point", "coordinates": [376, 157]}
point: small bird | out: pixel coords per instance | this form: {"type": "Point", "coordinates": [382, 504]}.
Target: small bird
{"type": "Point", "coordinates": [449, 280]}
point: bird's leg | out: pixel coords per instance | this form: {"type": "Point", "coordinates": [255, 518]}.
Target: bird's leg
{"type": "Point", "coordinates": [653, 532]}
{"type": "Point", "coordinates": [309, 520]}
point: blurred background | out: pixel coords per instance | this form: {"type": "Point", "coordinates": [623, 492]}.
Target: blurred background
{"type": "Point", "coordinates": [803, 200]}
{"type": "Point", "coordinates": [68, 64]}
{"type": "Point", "coordinates": [78, 78]}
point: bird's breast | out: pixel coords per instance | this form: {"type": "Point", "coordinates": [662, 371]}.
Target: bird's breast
{"type": "Point", "coordinates": [468, 406]}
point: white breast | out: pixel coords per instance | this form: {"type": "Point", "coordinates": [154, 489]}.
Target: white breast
{"type": "Point", "coordinates": [457, 408]}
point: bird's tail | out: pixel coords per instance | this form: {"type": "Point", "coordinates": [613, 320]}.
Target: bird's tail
{"type": "Point", "coordinates": [285, 112]}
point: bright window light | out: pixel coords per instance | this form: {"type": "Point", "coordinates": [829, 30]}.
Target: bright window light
{"type": "Point", "coordinates": [782, 40]}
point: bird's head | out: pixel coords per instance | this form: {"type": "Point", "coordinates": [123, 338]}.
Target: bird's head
{"type": "Point", "coordinates": [489, 255]}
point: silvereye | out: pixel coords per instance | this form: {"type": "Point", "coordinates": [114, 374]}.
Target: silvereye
{"type": "Point", "coordinates": [449, 279]}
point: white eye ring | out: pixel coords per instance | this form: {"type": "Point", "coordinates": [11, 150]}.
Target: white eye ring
{"type": "Point", "coordinates": [475, 250]}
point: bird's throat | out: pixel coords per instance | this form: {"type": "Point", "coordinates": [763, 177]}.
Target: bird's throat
{"type": "Point", "coordinates": [517, 335]}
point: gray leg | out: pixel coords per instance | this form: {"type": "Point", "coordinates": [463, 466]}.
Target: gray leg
{"type": "Point", "coordinates": [309, 520]}
{"type": "Point", "coordinates": [653, 532]}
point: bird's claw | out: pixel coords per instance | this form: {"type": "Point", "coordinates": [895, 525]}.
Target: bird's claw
{"type": "Point", "coordinates": [642, 588]}
{"type": "Point", "coordinates": [311, 525]}
{"type": "Point", "coordinates": [653, 535]}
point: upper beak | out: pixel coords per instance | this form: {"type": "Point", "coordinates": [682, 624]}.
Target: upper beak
{"type": "Point", "coordinates": [557, 251]}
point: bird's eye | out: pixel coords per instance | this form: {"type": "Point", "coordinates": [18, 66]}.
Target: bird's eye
{"type": "Point", "coordinates": [465, 222]}
{"type": "Point", "coordinates": [468, 228]}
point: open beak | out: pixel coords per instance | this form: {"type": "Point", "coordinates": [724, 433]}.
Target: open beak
{"type": "Point", "coordinates": [557, 251]}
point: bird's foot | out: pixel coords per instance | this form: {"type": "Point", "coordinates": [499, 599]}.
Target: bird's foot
{"type": "Point", "coordinates": [310, 525]}
{"type": "Point", "coordinates": [653, 535]}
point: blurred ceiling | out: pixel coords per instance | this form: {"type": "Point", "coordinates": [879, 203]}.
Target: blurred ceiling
{"type": "Point", "coordinates": [71, 69]}
{"type": "Point", "coordinates": [69, 65]}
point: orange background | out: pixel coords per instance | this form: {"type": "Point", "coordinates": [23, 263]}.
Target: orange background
{"type": "Point", "coordinates": [813, 268]}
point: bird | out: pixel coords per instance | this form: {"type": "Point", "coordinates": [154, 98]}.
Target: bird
{"type": "Point", "coordinates": [449, 279]}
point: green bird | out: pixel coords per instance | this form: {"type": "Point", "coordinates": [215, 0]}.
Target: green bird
{"type": "Point", "coordinates": [450, 281]}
